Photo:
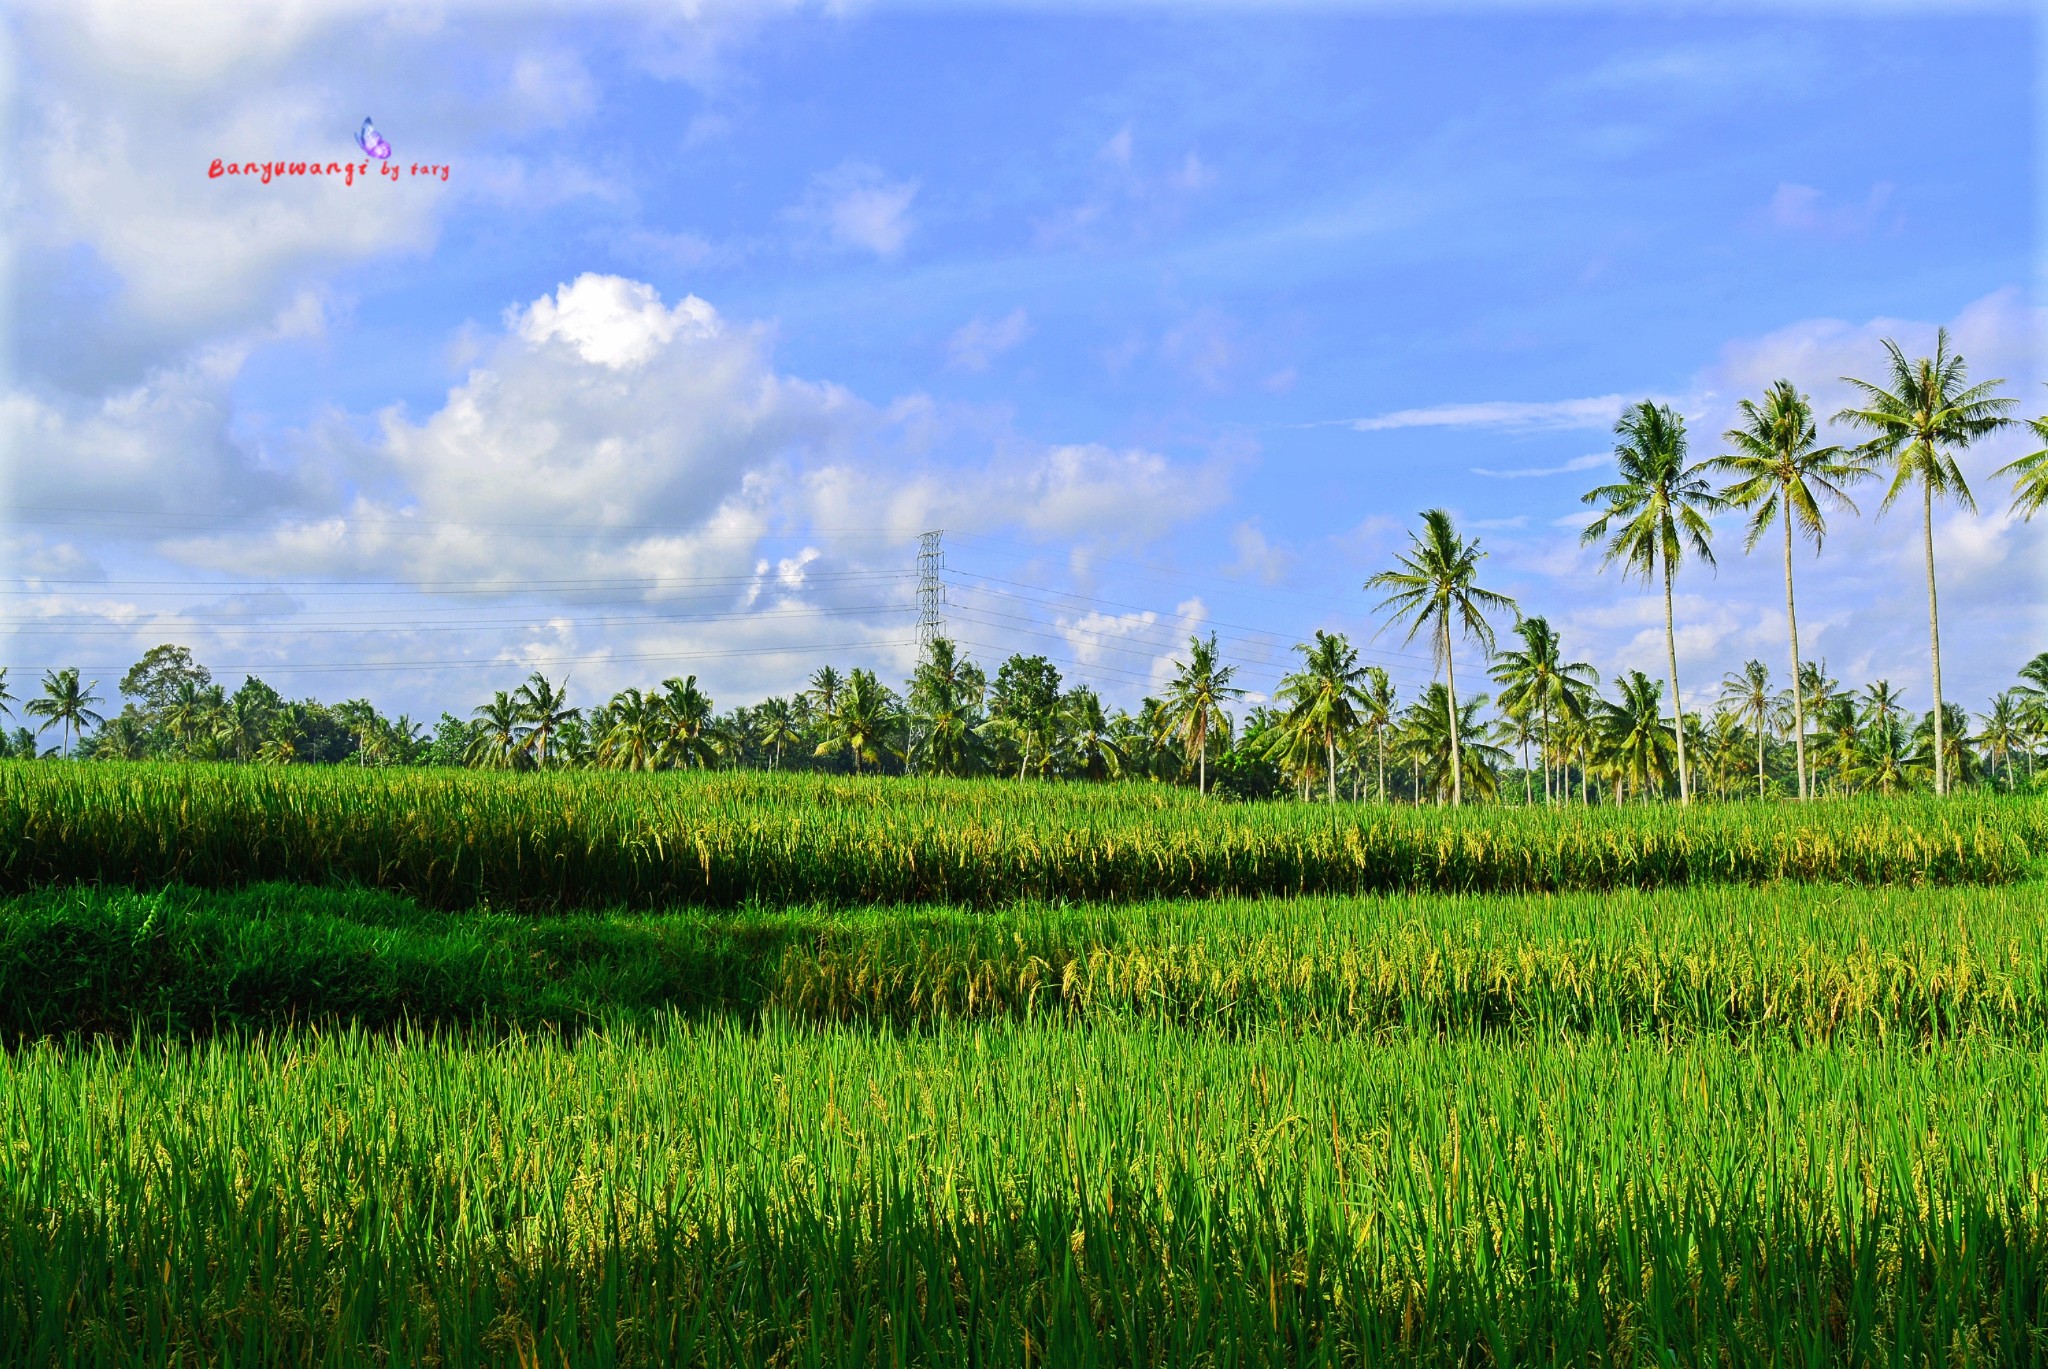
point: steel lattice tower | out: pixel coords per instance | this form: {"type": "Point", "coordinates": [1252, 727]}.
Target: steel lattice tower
{"type": "Point", "coordinates": [931, 593]}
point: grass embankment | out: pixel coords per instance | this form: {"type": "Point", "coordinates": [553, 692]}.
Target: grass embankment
{"type": "Point", "coordinates": [1805, 963]}
{"type": "Point", "coordinates": [458, 839]}
{"type": "Point", "coordinates": [1016, 1194]}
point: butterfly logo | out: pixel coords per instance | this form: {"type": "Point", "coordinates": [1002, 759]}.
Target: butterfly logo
{"type": "Point", "coordinates": [372, 142]}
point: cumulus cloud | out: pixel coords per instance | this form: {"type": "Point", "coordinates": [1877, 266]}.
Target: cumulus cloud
{"type": "Point", "coordinates": [1139, 644]}
{"type": "Point", "coordinates": [602, 435]}
{"type": "Point", "coordinates": [613, 322]}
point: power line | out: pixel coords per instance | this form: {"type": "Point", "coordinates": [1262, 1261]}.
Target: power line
{"type": "Point", "coordinates": [32, 584]}
{"type": "Point", "coordinates": [321, 627]}
{"type": "Point", "coordinates": [288, 521]}
{"type": "Point", "coordinates": [1395, 660]}
{"type": "Point", "coordinates": [328, 667]}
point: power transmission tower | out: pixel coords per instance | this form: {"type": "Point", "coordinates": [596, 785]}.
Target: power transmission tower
{"type": "Point", "coordinates": [931, 593]}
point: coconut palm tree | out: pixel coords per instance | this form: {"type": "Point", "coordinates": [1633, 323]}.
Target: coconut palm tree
{"type": "Point", "coordinates": [545, 710]}
{"type": "Point", "coordinates": [1880, 714]}
{"type": "Point", "coordinates": [1638, 746]}
{"type": "Point", "coordinates": [1726, 744]}
{"type": "Point", "coordinates": [1434, 586]}
{"type": "Point", "coordinates": [1517, 728]}
{"type": "Point", "coordinates": [1840, 737]}
{"type": "Point", "coordinates": [684, 718]}
{"type": "Point", "coordinates": [1288, 741]}
{"type": "Point", "coordinates": [1747, 693]}
{"type": "Point", "coordinates": [1884, 763]}
{"type": "Point", "coordinates": [1323, 697]}
{"type": "Point", "coordinates": [1450, 761]}
{"type": "Point", "coordinates": [823, 693]}
{"type": "Point", "coordinates": [1537, 677]}
{"type": "Point", "coordinates": [2030, 474]}
{"type": "Point", "coordinates": [631, 738]}
{"type": "Point", "coordinates": [2033, 692]}
{"type": "Point", "coordinates": [1377, 701]}
{"type": "Point", "coordinates": [1928, 415]}
{"type": "Point", "coordinates": [946, 693]}
{"type": "Point", "coordinates": [242, 724]}
{"type": "Point", "coordinates": [2004, 731]}
{"type": "Point", "coordinates": [189, 711]}
{"type": "Point", "coordinates": [499, 741]}
{"type": "Point", "coordinates": [1780, 466]}
{"type": "Point", "coordinates": [66, 705]}
{"type": "Point", "coordinates": [1650, 516]}
{"type": "Point", "coordinates": [1943, 740]}
{"type": "Point", "coordinates": [123, 737]}
{"type": "Point", "coordinates": [1193, 712]}
{"type": "Point", "coordinates": [861, 719]}
{"type": "Point", "coordinates": [778, 728]}
{"type": "Point", "coordinates": [7, 700]}
{"type": "Point", "coordinates": [1575, 743]}
{"type": "Point", "coordinates": [1089, 746]}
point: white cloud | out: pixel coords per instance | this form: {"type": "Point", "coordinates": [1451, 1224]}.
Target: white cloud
{"type": "Point", "coordinates": [1600, 411]}
{"type": "Point", "coordinates": [1578, 463]}
{"type": "Point", "coordinates": [613, 322]}
{"type": "Point", "coordinates": [165, 443]}
{"type": "Point", "coordinates": [1257, 556]}
{"type": "Point", "coordinates": [601, 434]}
{"type": "Point", "coordinates": [855, 205]}
{"type": "Point", "coordinates": [980, 341]}
{"type": "Point", "coordinates": [1143, 643]}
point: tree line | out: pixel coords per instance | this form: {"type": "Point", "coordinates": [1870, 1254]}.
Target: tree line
{"type": "Point", "coordinates": [1335, 727]}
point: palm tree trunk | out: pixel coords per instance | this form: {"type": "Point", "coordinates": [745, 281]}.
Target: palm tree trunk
{"type": "Point", "coordinates": [1528, 779]}
{"type": "Point", "coordinates": [1760, 793]}
{"type": "Point", "coordinates": [1202, 762]}
{"type": "Point", "coordinates": [1798, 694]}
{"type": "Point", "coordinates": [1330, 742]}
{"type": "Point", "coordinates": [1381, 735]}
{"type": "Point", "coordinates": [1934, 638]}
{"type": "Point", "coordinates": [1451, 694]}
{"type": "Point", "coordinates": [1549, 800]}
{"type": "Point", "coordinates": [1677, 705]}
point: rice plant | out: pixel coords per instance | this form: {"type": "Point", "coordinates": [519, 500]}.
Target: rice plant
{"type": "Point", "coordinates": [455, 839]}
{"type": "Point", "coordinates": [1019, 1195]}
{"type": "Point", "coordinates": [1797, 962]}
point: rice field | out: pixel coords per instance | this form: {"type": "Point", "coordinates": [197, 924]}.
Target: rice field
{"type": "Point", "coordinates": [457, 839]}
{"type": "Point", "coordinates": [997, 1195]}
{"type": "Point", "coordinates": [1811, 964]}
{"type": "Point", "coordinates": [341, 1068]}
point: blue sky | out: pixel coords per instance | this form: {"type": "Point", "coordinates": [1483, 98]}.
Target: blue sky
{"type": "Point", "coordinates": [1174, 319]}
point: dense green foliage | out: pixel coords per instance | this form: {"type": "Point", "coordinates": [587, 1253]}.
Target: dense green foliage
{"type": "Point", "coordinates": [1807, 965]}
{"type": "Point", "coordinates": [1010, 1195]}
{"type": "Point", "coordinates": [456, 839]}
